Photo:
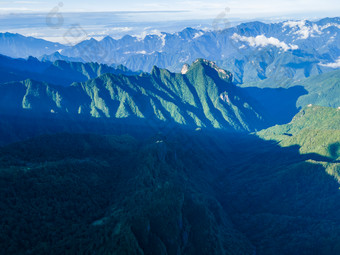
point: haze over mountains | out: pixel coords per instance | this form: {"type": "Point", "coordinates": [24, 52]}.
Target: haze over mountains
{"type": "Point", "coordinates": [252, 51]}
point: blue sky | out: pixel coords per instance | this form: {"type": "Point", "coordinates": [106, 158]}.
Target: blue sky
{"type": "Point", "coordinates": [205, 8]}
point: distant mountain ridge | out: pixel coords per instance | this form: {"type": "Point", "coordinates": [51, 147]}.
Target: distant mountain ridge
{"type": "Point", "coordinates": [254, 51]}
{"type": "Point", "coordinates": [19, 46]}
{"type": "Point", "coordinates": [59, 72]}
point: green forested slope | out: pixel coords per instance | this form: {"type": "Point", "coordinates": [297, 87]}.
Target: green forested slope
{"type": "Point", "coordinates": [323, 90]}
{"type": "Point", "coordinates": [184, 193]}
{"type": "Point", "coordinates": [87, 194]}
{"type": "Point", "coordinates": [202, 97]}
{"type": "Point", "coordinates": [315, 129]}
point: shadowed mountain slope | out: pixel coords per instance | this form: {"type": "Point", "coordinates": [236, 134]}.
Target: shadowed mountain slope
{"type": "Point", "coordinates": [59, 72]}
{"type": "Point", "coordinates": [201, 96]}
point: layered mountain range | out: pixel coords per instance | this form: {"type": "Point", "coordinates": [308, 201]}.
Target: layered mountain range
{"type": "Point", "coordinates": [189, 192]}
{"type": "Point", "coordinates": [59, 72]}
{"type": "Point", "coordinates": [253, 52]}
{"type": "Point", "coordinates": [201, 96]}
{"type": "Point", "coordinates": [240, 155]}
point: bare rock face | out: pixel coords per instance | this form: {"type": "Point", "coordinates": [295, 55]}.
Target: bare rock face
{"type": "Point", "coordinates": [221, 72]}
{"type": "Point", "coordinates": [185, 69]}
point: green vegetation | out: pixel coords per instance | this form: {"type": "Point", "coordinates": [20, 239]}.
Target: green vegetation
{"type": "Point", "coordinates": [187, 192]}
{"type": "Point", "coordinates": [164, 188]}
{"type": "Point", "coordinates": [320, 89]}
{"type": "Point", "coordinates": [202, 97]}
{"type": "Point", "coordinates": [315, 129]}
{"type": "Point", "coordinates": [59, 72]}
{"type": "Point", "coordinates": [323, 90]}
{"type": "Point", "coordinates": [87, 194]}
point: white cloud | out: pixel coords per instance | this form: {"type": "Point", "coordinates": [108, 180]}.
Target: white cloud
{"type": "Point", "coordinates": [27, 2]}
{"type": "Point", "coordinates": [336, 64]}
{"type": "Point", "coordinates": [13, 9]}
{"type": "Point", "coordinates": [197, 9]}
{"type": "Point", "coordinates": [161, 35]}
{"type": "Point", "coordinates": [197, 35]}
{"type": "Point", "coordinates": [111, 30]}
{"type": "Point", "coordinates": [300, 28]}
{"type": "Point", "coordinates": [293, 24]}
{"type": "Point", "coordinates": [143, 52]}
{"type": "Point", "coordinates": [33, 34]}
{"type": "Point", "coordinates": [330, 25]}
{"type": "Point", "coordinates": [263, 41]}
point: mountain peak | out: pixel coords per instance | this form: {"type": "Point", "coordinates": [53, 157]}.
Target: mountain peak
{"type": "Point", "coordinates": [107, 38]}
{"type": "Point", "coordinates": [210, 64]}
{"type": "Point", "coordinates": [7, 34]}
{"type": "Point", "coordinates": [188, 33]}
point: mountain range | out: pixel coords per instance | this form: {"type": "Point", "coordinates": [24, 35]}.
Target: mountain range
{"type": "Point", "coordinates": [19, 46]}
{"type": "Point", "coordinates": [203, 95]}
{"type": "Point", "coordinates": [188, 192]}
{"type": "Point", "coordinates": [58, 73]}
{"type": "Point", "coordinates": [196, 142]}
{"type": "Point", "coordinates": [254, 52]}
{"type": "Point", "coordinates": [319, 124]}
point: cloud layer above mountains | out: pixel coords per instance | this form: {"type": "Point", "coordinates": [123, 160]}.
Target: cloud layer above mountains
{"type": "Point", "coordinates": [263, 41]}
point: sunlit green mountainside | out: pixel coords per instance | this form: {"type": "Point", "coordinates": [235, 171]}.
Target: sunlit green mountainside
{"type": "Point", "coordinates": [59, 72]}
{"type": "Point", "coordinates": [194, 192]}
{"type": "Point", "coordinates": [201, 96]}
{"type": "Point", "coordinates": [281, 103]}
{"type": "Point", "coordinates": [315, 129]}
{"type": "Point", "coordinates": [323, 90]}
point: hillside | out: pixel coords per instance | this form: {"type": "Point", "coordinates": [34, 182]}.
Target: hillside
{"type": "Point", "coordinates": [182, 193]}
{"type": "Point", "coordinates": [228, 144]}
{"type": "Point", "coordinates": [323, 90]}
{"type": "Point", "coordinates": [320, 89]}
{"type": "Point", "coordinates": [315, 129]}
{"type": "Point", "coordinates": [101, 195]}
{"type": "Point", "coordinates": [202, 96]}
{"type": "Point", "coordinates": [59, 72]}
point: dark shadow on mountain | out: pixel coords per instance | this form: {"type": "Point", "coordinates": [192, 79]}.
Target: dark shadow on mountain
{"type": "Point", "coordinates": [160, 193]}
{"type": "Point", "coordinates": [273, 196]}
{"type": "Point", "coordinates": [278, 103]}
{"type": "Point", "coordinates": [306, 66]}
{"type": "Point", "coordinates": [25, 125]}
{"type": "Point", "coordinates": [334, 150]}
{"type": "Point", "coordinates": [61, 73]}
